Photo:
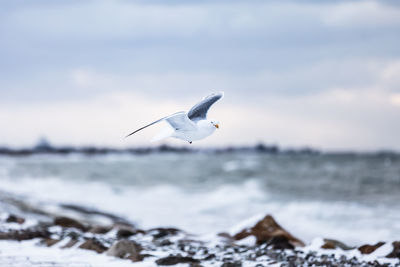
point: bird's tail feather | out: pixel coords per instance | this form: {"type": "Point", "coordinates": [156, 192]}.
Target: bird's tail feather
{"type": "Point", "coordinates": [164, 133]}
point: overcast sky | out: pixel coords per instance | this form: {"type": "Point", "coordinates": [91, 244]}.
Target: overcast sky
{"type": "Point", "coordinates": [294, 73]}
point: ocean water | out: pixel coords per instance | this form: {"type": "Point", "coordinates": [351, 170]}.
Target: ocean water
{"type": "Point", "coordinates": [352, 198]}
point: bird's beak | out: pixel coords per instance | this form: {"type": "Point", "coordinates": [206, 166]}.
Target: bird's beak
{"type": "Point", "coordinates": [216, 126]}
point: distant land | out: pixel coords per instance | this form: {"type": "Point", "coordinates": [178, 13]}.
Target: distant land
{"type": "Point", "coordinates": [44, 147]}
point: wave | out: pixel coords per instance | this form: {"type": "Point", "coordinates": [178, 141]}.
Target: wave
{"type": "Point", "coordinates": [216, 210]}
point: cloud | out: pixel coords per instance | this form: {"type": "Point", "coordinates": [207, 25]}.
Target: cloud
{"type": "Point", "coordinates": [102, 120]}
{"type": "Point", "coordinates": [395, 99]}
{"type": "Point", "coordinates": [363, 14]}
{"type": "Point", "coordinates": [85, 82]}
{"type": "Point", "coordinates": [334, 119]}
{"type": "Point", "coordinates": [294, 72]}
{"type": "Point", "coordinates": [390, 76]}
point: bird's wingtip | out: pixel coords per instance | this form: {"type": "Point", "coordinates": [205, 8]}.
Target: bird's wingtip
{"type": "Point", "coordinates": [220, 94]}
{"type": "Point", "coordinates": [126, 136]}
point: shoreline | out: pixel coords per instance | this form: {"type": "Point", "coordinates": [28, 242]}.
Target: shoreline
{"type": "Point", "coordinates": [165, 148]}
{"type": "Point", "coordinates": [261, 242]}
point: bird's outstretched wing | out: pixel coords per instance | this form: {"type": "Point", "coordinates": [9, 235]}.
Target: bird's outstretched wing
{"type": "Point", "coordinates": [199, 111]}
{"type": "Point", "coordinates": [178, 121]}
{"type": "Point", "coordinates": [181, 121]}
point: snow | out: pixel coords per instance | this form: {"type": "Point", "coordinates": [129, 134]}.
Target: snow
{"type": "Point", "coordinates": [40, 256]}
{"type": "Point", "coordinates": [248, 241]}
{"type": "Point", "coordinates": [33, 255]}
{"type": "Point", "coordinates": [378, 255]}
{"type": "Point", "coordinates": [246, 224]}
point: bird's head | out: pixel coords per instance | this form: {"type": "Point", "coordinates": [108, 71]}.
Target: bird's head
{"type": "Point", "coordinates": [215, 124]}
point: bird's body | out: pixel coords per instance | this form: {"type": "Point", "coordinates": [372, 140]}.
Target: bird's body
{"type": "Point", "coordinates": [191, 126]}
{"type": "Point", "coordinates": [204, 128]}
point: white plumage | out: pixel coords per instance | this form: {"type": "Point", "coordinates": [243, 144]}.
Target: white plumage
{"type": "Point", "coordinates": [191, 126]}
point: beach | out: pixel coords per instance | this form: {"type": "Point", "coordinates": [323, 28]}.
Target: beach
{"type": "Point", "coordinates": [209, 196]}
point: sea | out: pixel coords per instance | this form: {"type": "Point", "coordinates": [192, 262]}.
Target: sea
{"type": "Point", "coordinates": [351, 197]}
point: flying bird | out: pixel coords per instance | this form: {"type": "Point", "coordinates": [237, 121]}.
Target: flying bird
{"type": "Point", "coordinates": [190, 126]}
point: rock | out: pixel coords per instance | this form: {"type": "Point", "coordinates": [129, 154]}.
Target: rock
{"type": "Point", "coordinates": [172, 260]}
{"type": "Point", "coordinates": [232, 264]}
{"type": "Point", "coordinates": [74, 234]}
{"type": "Point", "coordinates": [227, 239]}
{"type": "Point", "coordinates": [333, 244]}
{"type": "Point", "coordinates": [280, 242]}
{"type": "Point", "coordinates": [225, 235]}
{"type": "Point", "coordinates": [25, 234]}
{"type": "Point", "coordinates": [49, 241]}
{"type": "Point", "coordinates": [125, 232]}
{"type": "Point", "coordinates": [98, 229]}
{"type": "Point", "coordinates": [396, 250]}
{"type": "Point", "coordinates": [89, 211]}
{"type": "Point", "coordinates": [164, 242]}
{"type": "Point", "coordinates": [163, 232]}
{"type": "Point", "coordinates": [93, 244]}
{"type": "Point", "coordinates": [209, 257]}
{"type": "Point", "coordinates": [368, 249]}
{"type": "Point", "coordinates": [68, 222]}
{"type": "Point", "coordinates": [14, 219]}
{"type": "Point", "coordinates": [70, 243]}
{"type": "Point", "coordinates": [125, 249]}
{"type": "Point", "coordinates": [269, 231]}
{"type": "Point", "coordinates": [328, 245]}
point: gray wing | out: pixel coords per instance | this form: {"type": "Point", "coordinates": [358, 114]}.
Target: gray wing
{"type": "Point", "coordinates": [178, 121]}
{"type": "Point", "coordinates": [199, 111]}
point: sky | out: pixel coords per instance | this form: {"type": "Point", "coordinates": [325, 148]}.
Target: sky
{"type": "Point", "coordinates": [324, 74]}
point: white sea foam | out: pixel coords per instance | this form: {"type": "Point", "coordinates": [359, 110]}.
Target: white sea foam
{"type": "Point", "coordinates": [217, 210]}
{"type": "Point", "coordinates": [33, 255]}
{"type": "Point", "coordinates": [239, 164]}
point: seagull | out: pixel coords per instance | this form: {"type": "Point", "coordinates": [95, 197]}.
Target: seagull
{"type": "Point", "coordinates": [190, 126]}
